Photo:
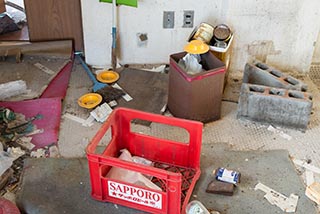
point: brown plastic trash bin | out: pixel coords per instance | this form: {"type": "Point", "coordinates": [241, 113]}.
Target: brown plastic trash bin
{"type": "Point", "coordinates": [198, 96]}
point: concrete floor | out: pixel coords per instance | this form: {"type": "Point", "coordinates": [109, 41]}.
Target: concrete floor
{"type": "Point", "coordinates": [239, 135]}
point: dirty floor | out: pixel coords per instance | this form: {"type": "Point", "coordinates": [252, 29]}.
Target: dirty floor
{"type": "Point", "coordinates": [43, 186]}
{"type": "Point", "coordinates": [238, 135]}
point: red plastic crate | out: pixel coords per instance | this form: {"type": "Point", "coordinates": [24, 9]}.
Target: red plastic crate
{"type": "Point", "coordinates": [176, 168]}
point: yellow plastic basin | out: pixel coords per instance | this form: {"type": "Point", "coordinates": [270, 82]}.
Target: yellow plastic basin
{"type": "Point", "coordinates": [196, 47]}
{"type": "Point", "coordinates": [90, 100]}
{"type": "Point", "coordinates": [108, 76]}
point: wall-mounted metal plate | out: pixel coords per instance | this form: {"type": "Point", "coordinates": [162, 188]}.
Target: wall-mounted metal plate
{"type": "Point", "coordinates": [188, 16]}
{"type": "Point", "coordinates": [168, 19]}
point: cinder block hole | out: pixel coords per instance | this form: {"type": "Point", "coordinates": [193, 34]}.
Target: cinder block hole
{"type": "Point", "coordinates": [256, 89]}
{"type": "Point", "coordinates": [310, 97]}
{"type": "Point", "coordinates": [296, 95]}
{"type": "Point", "coordinates": [276, 92]}
{"type": "Point", "coordinates": [262, 66]}
{"type": "Point", "coordinates": [276, 73]}
{"type": "Point", "coordinates": [304, 88]}
{"type": "Point", "coordinates": [291, 81]}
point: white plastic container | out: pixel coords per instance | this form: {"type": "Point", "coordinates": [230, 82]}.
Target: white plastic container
{"type": "Point", "coordinates": [196, 207]}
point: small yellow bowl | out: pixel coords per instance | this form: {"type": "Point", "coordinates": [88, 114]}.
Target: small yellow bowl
{"type": "Point", "coordinates": [90, 100]}
{"type": "Point", "coordinates": [196, 47]}
{"type": "Point", "coordinates": [108, 76]}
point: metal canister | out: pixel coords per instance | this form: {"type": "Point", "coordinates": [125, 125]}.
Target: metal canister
{"type": "Point", "coordinates": [223, 174]}
{"type": "Point", "coordinates": [222, 32]}
{"type": "Point", "coordinates": [204, 33]}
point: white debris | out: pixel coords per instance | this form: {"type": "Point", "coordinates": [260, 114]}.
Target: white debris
{"type": "Point", "coordinates": [127, 97]}
{"type": "Point", "coordinates": [159, 69]}
{"type": "Point", "coordinates": [163, 108]}
{"type": "Point", "coordinates": [306, 165]}
{"type": "Point", "coordinates": [286, 204]}
{"type": "Point", "coordinates": [113, 103]}
{"type": "Point", "coordinates": [15, 152]}
{"type": "Point", "coordinates": [25, 142]}
{"type": "Point", "coordinates": [313, 192]}
{"type": "Point", "coordinates": [86, 123]}
{"type": "Point", "coordinates": [44, 68]}
{"type": "Point", "coordinates": [37, 131]}
{"type": "Point", "coordinates": [39, 153]}
{"type": "Point", "coordinates": [281, 133]}
{"type": "Point", "coordinates": [309, 177]}
{"type": "Point", "coordinates": [5, 161]}
{"type": "Point", "coordinates": [102, 112]}
{"type": "Point", "coordinates": [54, 151]}
{"type": "Point", "coordinates": [13, 88]}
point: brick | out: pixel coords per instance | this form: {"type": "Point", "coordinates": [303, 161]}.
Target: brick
{"type": "Point", "coordinates": [276, 106]}
{"type": "Point", "coordinates": [262, 74]}
{"type": "Point", "coordinates": [219, 187]}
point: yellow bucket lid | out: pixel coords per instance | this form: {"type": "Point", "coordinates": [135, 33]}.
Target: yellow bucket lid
{"type": "Point", "coordinates": [196, 47]}
{"type": "Point", "coordinates": [90, 100]}
{"type": "Point", "coordinates": [108, 76]}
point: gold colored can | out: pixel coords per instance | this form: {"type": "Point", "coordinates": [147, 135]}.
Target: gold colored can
{"type": "Point", "coordinates": [204, 33]}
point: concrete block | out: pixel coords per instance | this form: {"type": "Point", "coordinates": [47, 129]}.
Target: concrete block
{"type": "Point", "coordinates": [275, 106]}
{"type": "Point", "coordinates": [262, 74]}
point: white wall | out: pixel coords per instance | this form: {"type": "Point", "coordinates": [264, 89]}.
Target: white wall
{"type": "Point", "coordinates": [316, 54]}
{"type": "Point", "coordinates": [281, 32]}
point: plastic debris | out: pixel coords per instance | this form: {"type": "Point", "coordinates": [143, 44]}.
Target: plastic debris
{"type": "Point", "coordinates": [190, 63]}
{"type": "Point", "coordinates": [286, 204]}
{"type": "Point", "coordinates": [39, 153]}
{"type": "Point", "coordinates": [101, 113]}
{"type": "Point", "coordinates": [5, 161]}
{"type": "Point", "coordinates": [196, 207]}
{"type": "Point", "coordinates": [130, 176]}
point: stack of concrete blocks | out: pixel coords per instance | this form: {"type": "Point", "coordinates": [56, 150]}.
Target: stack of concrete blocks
{"type": "Point", "coordinates": [270, 96]}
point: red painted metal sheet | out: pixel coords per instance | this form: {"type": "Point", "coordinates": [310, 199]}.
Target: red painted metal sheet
{"type": "Point", "coordinates": [58, 86]}
{"type": "Point", "coordinates": [49, 108]}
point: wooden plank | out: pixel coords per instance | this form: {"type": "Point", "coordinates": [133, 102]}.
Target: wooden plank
{"type": "Point", "coordinates": [55, 20]}
{"type": "Point", "coordinates": [2, 6]}
{"type": "Point", "coordinates": [61, 49]}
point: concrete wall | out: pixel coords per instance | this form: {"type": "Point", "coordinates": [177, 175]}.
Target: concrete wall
{"type": "Point", "coordinates": [281, 33]}
{"type": "Point", "coordinates": [316, 54]}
